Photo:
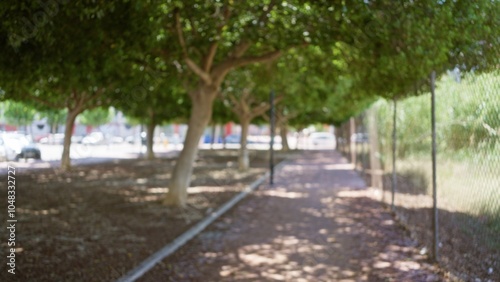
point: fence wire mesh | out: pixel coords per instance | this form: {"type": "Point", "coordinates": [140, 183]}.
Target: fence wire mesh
{"type": "Point", "coordinates": [468, 168]}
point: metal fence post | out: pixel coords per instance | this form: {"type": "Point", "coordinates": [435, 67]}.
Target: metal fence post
{"type": "Point", "coordinates": [435, 224]}
{"type": "Point", "coordinates": [352, 145]}
{"type": "Point", "coordinates": [394, 176]}
{"type": "Point", "coordinates": [271, 143]}
{"type": "Point", "coordinates": [373, 141]}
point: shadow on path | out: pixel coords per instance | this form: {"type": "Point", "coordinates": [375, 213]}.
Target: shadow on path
{"type": "Point", "coordinates": [317, 223]}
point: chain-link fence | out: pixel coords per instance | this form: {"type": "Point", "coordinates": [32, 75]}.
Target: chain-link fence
{"type": "Point", "coordinates": [467, 114]}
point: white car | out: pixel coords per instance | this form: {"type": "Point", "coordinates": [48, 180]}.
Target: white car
{"type": "Point", "coordinates": [94, 138]}
{"type": "Point", "coordinates": [17, 146]}
{"type": "Point", "coordinates": [322, 139]}
{"type": "Point", "coordinates": [3, 151]}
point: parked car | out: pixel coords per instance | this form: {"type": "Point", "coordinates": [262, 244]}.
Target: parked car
{"type": "Point", "coordinates": [18, 146]}
{"type": "Point", "coordinates": [359, 137]}
{"type": "Point", "coordinates": [3, 151]}
{"type": "Point", "coordinates": [94, 138]}
{"type": "Point", "coordinates": [236, 139]}
{"type": "Point", "coordinates": [57, 138]}
{"type": "Point", "coordinates": [322, 139]}
{"type": "Point", "coordinates": [174, 139]}
{"type": "Point", "coordinates": [233, 139]}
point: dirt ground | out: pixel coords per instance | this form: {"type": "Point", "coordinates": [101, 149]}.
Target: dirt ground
{"type": "Point", "coordinates": [99, 221]}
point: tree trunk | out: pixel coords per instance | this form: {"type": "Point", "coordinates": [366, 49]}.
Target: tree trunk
{"type": "Point", "coordinates": [68, 133]}
{"type": "Point", "coordinates": [201, 112]}
{"type": "Point", "coordinates": [300, 133]}
{"type": "Point", "coordinates": [212, 141]}
{"type": "Point", "coordinates": [284, 137]}
{"type": "Point", "coordinates": [243, 159]}
{"type": "Point", "coordinates": [150, 155]}
{"type": "Point", "coordinates": [224, 135]}
{"type": "Point", "coordinates": [352, 142]}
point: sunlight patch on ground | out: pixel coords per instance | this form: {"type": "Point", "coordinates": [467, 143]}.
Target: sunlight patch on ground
{"type": "Point", "coordinates": [228, 270]}
{"type": "Point", "coordinates": [345, 220]}
{"type": "Point", "coordinates": [292, 167]}
{"type": "Point", "coordinates": [282, 193]}
{"type": "Point", "coordinates": [259, 259]}
{"type": "Point", "coordinates": [312, 211]}
{"type": "Point", "coordinates": [348, 166]}
{"type": "Point", "coordinates": [352, 194]}
{"type": "Point", "coordinates": [406, 265]}
{"type": "Point", "coordinates": [381, 264]}
{"type": "Point", "coordinates": [388, 222]}
{"type": "Point", "coordinates": [124, 192]}
{"type": "Point", "coordinates": [274, 276]}
{"type": "Point", "coordinates": [211, 189]}
{"type": "Point", "coordinates": [157, 190]}
{"type": "Point", "coordinates": [37, 212]}
{"type": "Point", "coordinates": [150, 198]}
{"type": "Point", "coordinates": [141, 181]}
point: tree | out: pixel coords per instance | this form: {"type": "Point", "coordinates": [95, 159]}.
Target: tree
{"type": "Point", "coordinates": [158, 96]}
{"type": "Point", "coordinates": [74, 60]}
{"type": "Point", "coordinates": [244, 95]}
{"type": "Point", "coordinates": [55, 117]}
{"type": "Point", "coordinates": [19, 114]}
{"type": "Point", "coordinates": [229, 36]}
{"type": "Point", "coordinates": [308, 80]}
{"type": "Point", "coordinates": [97, 116]}
{"type": "Point", "coordinates": [400, 44]}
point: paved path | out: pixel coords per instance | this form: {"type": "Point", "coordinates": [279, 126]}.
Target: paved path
{"type": "Point", "coordinates": [318, 223]}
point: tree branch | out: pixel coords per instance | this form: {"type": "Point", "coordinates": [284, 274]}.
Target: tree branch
{"type": "Point", "coordinates": [194, 32]}
{"type": "Point", "coordinates": [212, 51]}
{"type": "Point", "coordinates": [203, 75]}
{"type": "Point", "coordinates": [209, 58]}
{"type": "Point", "coordinates": [260, 110]}
{"type": "Point", "coordinates": [237, 109]}
{"type": "Point", "coordinates": [80, 101]}
{"type": "Point", "coordinates": [245, 94]}
{"type": "Point", "coordinates": [234, 101]}
{"type": "Point", "coordinates": [278, 99]}
{"type": "Point", "coordinates": [46, 103]}
{"type": "Point", "coordinates": [240, 49]}
{"type": "Point", "coordinates": [256, 59]}
{"type": "Point", "coordinates": [220, 71]}
{"type": "Point", "coordinates": [94, 97]}
{"type": "Point", "coordinates": [180, 35]}
{"type": "Point", "coordinates": [263, 17]}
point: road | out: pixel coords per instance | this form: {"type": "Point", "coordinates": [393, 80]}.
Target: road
{"type": "Point", "coordinates": [87, 154]}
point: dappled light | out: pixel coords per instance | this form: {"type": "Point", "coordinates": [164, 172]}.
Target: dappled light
{"type": "Point", "coordinates": [284, 194]}
{"type": "Point", "coordinates": [125, 124]}
{"type": "Point", "coordinates": [315, 231]}
{"type": "Point", "coordinates": [38, 212]}
{"type": "Point", "coordinates": [212, 189]}
{"type": "Point", "coordinates": [338, 167]}
{"type": "Point", "coordinates": [157, 190]}
{"type": "Point", "coordinates": [80, 216]}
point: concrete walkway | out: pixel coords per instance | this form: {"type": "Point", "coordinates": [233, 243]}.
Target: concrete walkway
{"type": "Point", "coordinates": [318, 222]}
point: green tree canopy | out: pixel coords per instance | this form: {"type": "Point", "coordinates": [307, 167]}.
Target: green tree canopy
{"type": "Point", "coordinates": [75, 58]}
{"type": "Point", "coordinates": [18, 113]}
{"type": "Point", "coordinates": [97, 116]}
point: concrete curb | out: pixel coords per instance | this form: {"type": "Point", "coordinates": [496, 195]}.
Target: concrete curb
{"type": "Point", "coordinates": [173, 246]}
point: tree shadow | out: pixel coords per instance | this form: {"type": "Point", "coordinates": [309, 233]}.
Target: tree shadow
{"type": "Point", "coordinates": [316, 224]}
{"type": "Point", "coordinates": [469, 245]}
